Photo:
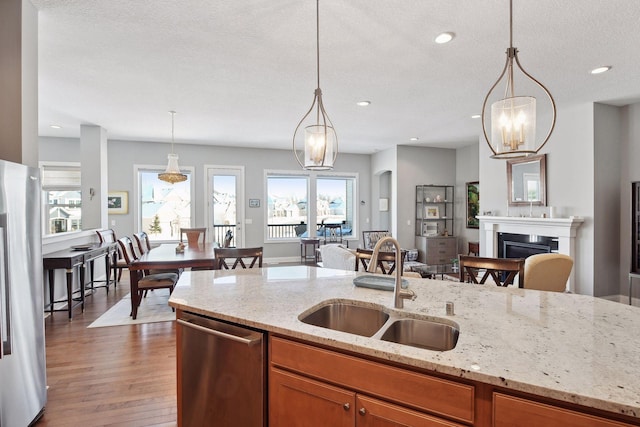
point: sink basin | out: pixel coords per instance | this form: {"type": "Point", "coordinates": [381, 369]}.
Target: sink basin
{"type": "Point", "coordinates": [427, 334]}
{"type": "Point", "coordinates": [350, 318]}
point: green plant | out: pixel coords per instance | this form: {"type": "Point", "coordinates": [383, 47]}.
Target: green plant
{"type": "Point", "coordinates": [155, 227]}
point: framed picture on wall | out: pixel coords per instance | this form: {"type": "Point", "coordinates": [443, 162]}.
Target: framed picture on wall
{"type": "Point", "coordinates": [473, 204]}
{"type": "Point", "coordinates": [118, 202]}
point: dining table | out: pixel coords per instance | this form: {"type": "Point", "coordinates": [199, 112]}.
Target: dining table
{"type": "Point", "coordinates": [167, 257]}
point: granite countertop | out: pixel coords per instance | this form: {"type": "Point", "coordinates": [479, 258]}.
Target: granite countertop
{"type": "Point", "coordinates": [573, 348]}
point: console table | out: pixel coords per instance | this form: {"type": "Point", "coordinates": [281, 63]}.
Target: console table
{"type": "Point", "coordinates": [70, 259]}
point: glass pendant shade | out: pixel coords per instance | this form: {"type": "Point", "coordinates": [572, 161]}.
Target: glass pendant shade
{"type": "Point", "coordinates": [319, 142]}
{"type": "Point", "coordinates": [172, 174]}
{"type": "Point", "coordinates": [513, 126]}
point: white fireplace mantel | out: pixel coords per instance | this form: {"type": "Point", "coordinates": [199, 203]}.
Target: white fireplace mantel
{"type": "Point", "coordinates": [564, 229]}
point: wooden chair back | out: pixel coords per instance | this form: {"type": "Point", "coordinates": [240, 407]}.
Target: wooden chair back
{"type": "Point", "coordinates": [547, 272]}
{"type": "Point", "coordinates": [142, 240]}
{"type": "Point", "coordinates": [193, 235]}
{"type": "Point", "coordinates": [503, 271]}
{"type": "Point", "coordinates": [126, 247]}
{"type": "Point", "coordinates": [230, 258]}
{"type": "Point", "coordinates": [106, 235]}
{"type": "Point", "coordinates": [386, 260]}
{"type": "Point", "coordinates": [371, 237]}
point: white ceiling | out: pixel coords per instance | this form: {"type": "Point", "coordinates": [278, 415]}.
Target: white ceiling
{"type": "Point", "coordinates": [243, 72]}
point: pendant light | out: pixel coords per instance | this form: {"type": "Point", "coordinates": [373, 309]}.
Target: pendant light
{"type": "Point", "coordinates": [172, 174]}
{"type": "Point", "coordinates": [513, 118]}
{"type": "Point", "coordinates": [320, 139]}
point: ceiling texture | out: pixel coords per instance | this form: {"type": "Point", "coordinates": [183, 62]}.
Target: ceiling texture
{"type": "Point", "coordinates": [243, 72]}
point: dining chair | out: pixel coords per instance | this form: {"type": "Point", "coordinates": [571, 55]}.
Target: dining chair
{"type": "Point", "coordinates": [371, 237]}
{"type": "Point", "coordinates": [547, 272]}
{"type": "Point", "coordinates": [193, 235]}
{"type": "Point", "coordinates": [237, 256]}
{"type": "Point", "coordinates": [117, 262]}
{"type": "Point", "coordinates": [386, 260]}
{"type": "Point", "coordinates": [146, 281]}
{"type": "Point", "coordinates": [502, 271]}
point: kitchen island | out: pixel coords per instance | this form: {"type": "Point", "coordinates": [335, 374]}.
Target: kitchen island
{"type": "Point", "coordinates": [560, 352]}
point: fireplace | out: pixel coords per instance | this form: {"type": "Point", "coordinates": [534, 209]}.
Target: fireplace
{"type": "Point", "coordinates": [540, 235]}
{"type": "Point", "coordinates": [512, 245]}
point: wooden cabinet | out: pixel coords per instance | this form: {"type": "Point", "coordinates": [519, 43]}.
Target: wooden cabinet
{"type": "Point", "coordinates": [297, 400]}
{"type": "Point", "coordinates": [313, 386]}
{"type": "Point", "coordinates": [437, 250]}
{"type": "Point", "coordinates": [510, 411]}
{"type": "Point", "coordinates": [294, 400]}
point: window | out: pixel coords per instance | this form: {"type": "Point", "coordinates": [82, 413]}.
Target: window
{"type": "Point", "coordinates": [335, 203]}
{"type": "Point", "coordinates": [62, 197]}
{"type": "Point", "coordinates": [289, 211]}
{"type": "Point", "coordinates": [163, 208]}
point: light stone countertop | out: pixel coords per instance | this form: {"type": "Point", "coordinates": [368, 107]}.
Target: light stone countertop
{"type": "Point", "coordinates": [573, 348]}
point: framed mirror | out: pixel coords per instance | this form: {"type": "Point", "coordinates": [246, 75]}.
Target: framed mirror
{"type": "Point", "coordinates": [526, 181]}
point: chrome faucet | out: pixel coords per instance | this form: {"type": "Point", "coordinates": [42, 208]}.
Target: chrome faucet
{"type": "Point", "coordinates": [398, 293]}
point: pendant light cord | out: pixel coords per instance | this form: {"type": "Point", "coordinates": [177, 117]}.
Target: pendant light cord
{"type": "Point", "coordinates": [318, 40]}
{"type": "Point", "coordinates": [173, 113]}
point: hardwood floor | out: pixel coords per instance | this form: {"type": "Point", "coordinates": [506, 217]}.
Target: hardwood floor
{"type": "Point", "coordinates": [111, 376]}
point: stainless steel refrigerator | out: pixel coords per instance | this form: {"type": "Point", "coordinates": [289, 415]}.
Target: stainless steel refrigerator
{"type": "Point", "coordinates": [23, 389]}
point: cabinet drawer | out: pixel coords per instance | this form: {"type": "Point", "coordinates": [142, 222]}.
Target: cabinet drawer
{"type": "Point", "coordinates": [441, 244]}
{"type": "Point", "coordinates": [509, 411]}
{"type": "Point", "coordinates": [420, 391]}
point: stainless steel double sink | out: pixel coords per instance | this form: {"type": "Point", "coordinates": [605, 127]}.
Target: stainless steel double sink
{"type": "Point", "coordinates": [378, 322]}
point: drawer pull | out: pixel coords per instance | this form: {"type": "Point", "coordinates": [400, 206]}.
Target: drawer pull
{"type": "Point", "coordinates": [363, 411]}
{"type": "Point", "coordinates": [346, 406]}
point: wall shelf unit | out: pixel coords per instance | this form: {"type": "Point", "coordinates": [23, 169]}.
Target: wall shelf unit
{"type": "Point", "coordinates": [434, 224]}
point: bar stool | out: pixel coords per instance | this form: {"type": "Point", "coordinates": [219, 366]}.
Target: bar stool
{"type": "Point", "coordinates": [305, 253]}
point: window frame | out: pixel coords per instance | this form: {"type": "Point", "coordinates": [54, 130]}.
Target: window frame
{"type": "Point", "coordinates": [53, 165]}
{"type": "Point", "coordinates": [137, 208]}
{"type": "Point", "coordinates": [312, 197]}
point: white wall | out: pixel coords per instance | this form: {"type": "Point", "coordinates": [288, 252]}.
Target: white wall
{"type": "Point", "coordinates": [122, 155]}
{"type": "Point", "coordinates": [417, 165]}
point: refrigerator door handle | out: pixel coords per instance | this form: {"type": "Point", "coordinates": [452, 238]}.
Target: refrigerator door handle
{"type": "Point", "coordinates": [5, 313]}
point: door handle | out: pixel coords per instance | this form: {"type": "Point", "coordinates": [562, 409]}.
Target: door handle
{"type": "Point", "coordinates": [220, 334]}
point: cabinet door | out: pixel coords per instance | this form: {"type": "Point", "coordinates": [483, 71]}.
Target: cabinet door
{"type": "Point", "coordinates": [510, 411]}
{"type": "Point", "coordinates": [375, 413]}
{"type": "Point", "coordinates": [298, 401]}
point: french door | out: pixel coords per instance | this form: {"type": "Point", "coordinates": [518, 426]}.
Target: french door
{"type": "Point", "coordinates": [225, 203]}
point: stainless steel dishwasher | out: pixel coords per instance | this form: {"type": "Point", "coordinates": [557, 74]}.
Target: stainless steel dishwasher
{"type": "Point", "coordinates": [221, 373]}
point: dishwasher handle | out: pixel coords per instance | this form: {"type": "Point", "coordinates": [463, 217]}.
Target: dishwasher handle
{"type": "Point", "coordinates": [220, 334]}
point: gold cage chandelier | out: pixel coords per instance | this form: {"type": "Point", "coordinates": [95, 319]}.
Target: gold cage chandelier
{"type": "Point", "coordinates": [172, 174]}
{"type": "Point", "coordinates": [320, 139]}
{"type": "Point", "coordinates": [513, 118]}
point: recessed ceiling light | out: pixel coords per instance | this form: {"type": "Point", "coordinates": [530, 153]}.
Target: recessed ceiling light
{"type": "Point", "coordinates": [363, 103]}
{"type": "Point", "coordinates": [55, 127]}
{"type": "Point", "coordinates": [600, 70]}
{"type": "Point", "coordinates": [476, 116]}
{"type": "Point", "coordinates": [444, 38]}
{"type": "Point", "coordinates": [415, 138]}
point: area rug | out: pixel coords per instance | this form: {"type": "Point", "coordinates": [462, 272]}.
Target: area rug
{"type": "Point", "coordinates": [153, 308]}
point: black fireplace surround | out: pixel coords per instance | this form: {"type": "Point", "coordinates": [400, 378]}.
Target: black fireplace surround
{"type": "Point", "coordinates": [523, 245]}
